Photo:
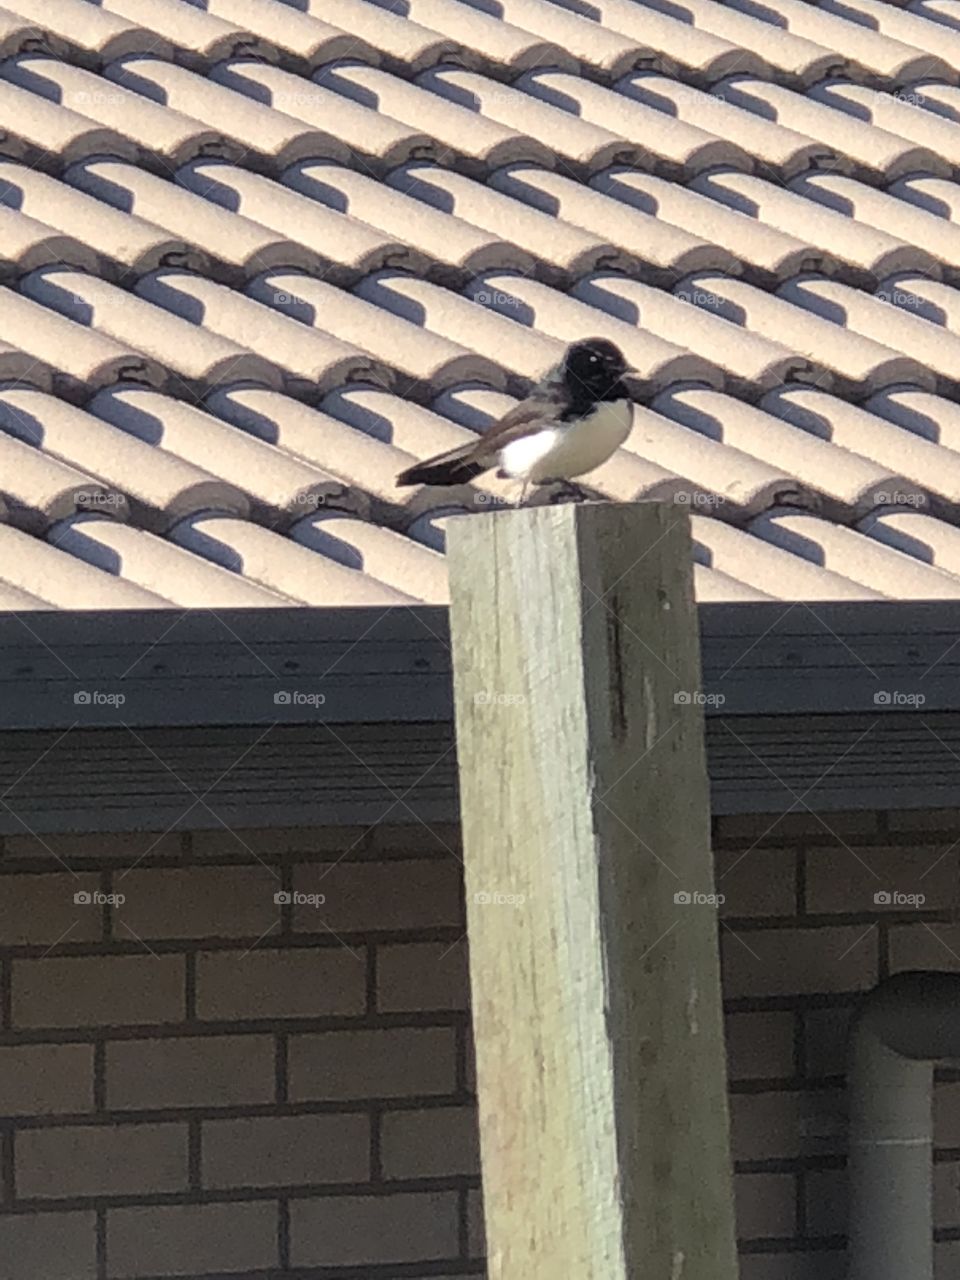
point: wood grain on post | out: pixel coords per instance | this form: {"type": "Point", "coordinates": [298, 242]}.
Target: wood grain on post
{"type": "Point", "coordinates": [584, 796]}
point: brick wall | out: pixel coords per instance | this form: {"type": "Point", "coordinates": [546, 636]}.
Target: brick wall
{"type": "Point", "coordinates": [199, 1080]}
{"type": "Point", "coordinates": [801, 936]}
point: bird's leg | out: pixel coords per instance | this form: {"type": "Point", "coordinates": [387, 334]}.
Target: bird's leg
{"type": "Point", "coordinates": [523, 493]}
{"type": "Point", "coordinates": [568, 492]}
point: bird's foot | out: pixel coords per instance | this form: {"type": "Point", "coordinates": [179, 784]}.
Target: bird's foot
{"type": "Point", "coordinates": [567, 492]}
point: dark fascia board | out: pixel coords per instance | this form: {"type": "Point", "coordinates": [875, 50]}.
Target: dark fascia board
{"type": "Point", "coordinates": [362, 665]}
{"type": "Point", "coordinates": [296, 717]}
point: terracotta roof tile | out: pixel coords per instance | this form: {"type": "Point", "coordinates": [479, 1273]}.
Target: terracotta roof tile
{"type": "Point", "coordinates": [265, 137]}
{"type": "Point", "coordinates": [663, 252]}
{"type": "Point", "coordinates": [478, 143]}
{"type": "Point", "coordinates": [666, 143]}
{"type": "Point", "coordinates": [451, 246]}
{"type": "Point", "coordinates": [91, 34]}
{"type": "Point", "coordinates": [305, 35]}
{"type": "Point", "coordinates": [857, 364]}
{"type": "Point", "coordinates": [154, 482]}
{"type": "Point", "coordinates": [883, 569]}
{"type": "Point", "coordinates": [764, 49]}
{"type": "Point", "coordinates": [158, 565]}
{"type": "Point", "coordinates": [282, 565]}
{"type": "Point", "coordinates": [765, 252]}
{"type": "Point", "coordinates": [259, 257]}
{"type": "Point", "coordinates": [864, 149]}
{"type": "Point", "coordinates": [678, 39]}
{"type": "Point", "coordinates": [500, 43]}
{"type": "Point", "coordinates": [107, 334]}
{"type": "Point", "coordinates": [281, 487]}
{"type": "Point", "coordinates": [233, 248]}
{"type": "Point", "coordinates": [783, 151]}
{"type": "Point", "coordinates": [877, 54]}
{"type": "Point", "coordinates": [65, 582]}
{"type": "Point", "coordinates": [562, 252]}
{"type": "Point", "coordinates": [17, 32]}
{"type": "Point", "coordinates": [374, 137]}
{"type": "Point", "coordinates": [343, 247]}
{"type": "Point", "coordinates": [115, 242]}
{"type": "Point", "coordinates": [404, 45]}
{"type": "Point", "coordinates": [197, 37]}
{"type": "Point", "coordinates": [867, 253]}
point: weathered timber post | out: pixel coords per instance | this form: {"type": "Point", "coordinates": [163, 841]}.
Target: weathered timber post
{"type": "Point", "coordinates": [596, 996]}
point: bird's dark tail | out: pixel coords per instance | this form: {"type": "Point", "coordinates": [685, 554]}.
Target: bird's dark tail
{"type": "Point", "coordinates": [455, 467]}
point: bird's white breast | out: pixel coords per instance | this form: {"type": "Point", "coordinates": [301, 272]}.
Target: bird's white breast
{"type": "Point", "coordinates": [570, 449]}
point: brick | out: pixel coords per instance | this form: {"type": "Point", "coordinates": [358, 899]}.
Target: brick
{"type": "Point", "coordinates": [476, 1231]}
{"type": "Point", "coordinates": [98, 991]}
{"type": "Point", "coordinates": [766, 1205]}
{"type": "Point", "coordinates": [826, 1032]}
{"type": "Point", "coordinates": [796, 825]}
{"type": "Point", "coordinates": [190, 1071]}
{"type": "Point", "coordinates": [946, 1114]}
{"type": "Point", "coordinates": [946, 1193]}
{"type": "Point", "coordinates": [126, 847]}
{"type": "Point", "coordinates": [270, 842]}
{"type": "Point", "coordinates": [402, 1062]}
{"type": "Point", "coordinates": [826, 1195]}
{"type": "Point", "coordinates": [816, 1265]}
{"type": "Point", "coordinates": [471, 1063]}
{"type": "Point", "coordinates": [43, 1079]}
{"type": "Point", "coordinates": [946, 1259]}
{"type": "Point", "coordinates": [439, 838]}
{"type": "Point", "coordinates": [360, 896]}
{"type": "Point", "coordinates": [48, 1246]}
{"type": "Point", "coordinates": [189, 1240]}
{"type": "Point", "coordinates": [924, 946]}
{"type": "Point", "coordinates": [787, 1124]}
{"type": "Point", "coordinates": [94, 1160]}
{"type": "Point", "coordinates": [773, 962]}
{"type": "Point", "coordinates": [40, 909]}
{"type": "Point", "coordinates": [348, 1231]}
{"type": "Point", "coordinates": [430, 1143]}
{"type": "Point", "coordinates": [761, 882]}
{"type": "Point", "coordinates": [196, 902]}
{"type": "Point", "coordinates": [302, 983]}
{"type": "Point", "coordinates": [265, 1151]}
{"type": "Point", "coordinates": [760, 1045]}
{"type": "Point", "coordinates": [422, 975]}
{"type": "Point", "coordinates": [946, 820]}
{"type": "Point", "coordinates": [848, 880]}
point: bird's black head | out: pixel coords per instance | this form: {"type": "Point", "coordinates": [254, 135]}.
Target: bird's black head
{"type": "Point", "coordinates": [593, 370]}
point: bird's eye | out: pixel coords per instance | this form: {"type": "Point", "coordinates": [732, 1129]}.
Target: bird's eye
{"type": "Point", "coordinates": [593, 359]}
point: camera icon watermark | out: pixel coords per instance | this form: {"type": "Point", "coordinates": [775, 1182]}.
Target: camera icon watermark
{"type": "Point", "coordinates": [485, 899]}
{"type": "Point", "coordinates": [285, 898]}
{"type": "Point", "coordinates": [897, 698]}
{"type": "Point", "coordinates": [894, 898]}
{"type": "Point", "coordinates": [298, 698]}
{"type": "Point", "coordinates": [94, 898]}
{"type": "Point", "coordinates": [694, 697]}
{"type": "Point", "coordinates": [97, 698]}
{"type": "Point", "coordinates": [693, 898]}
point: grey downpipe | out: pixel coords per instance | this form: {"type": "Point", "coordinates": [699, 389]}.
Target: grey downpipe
{"type": "Point", "coordinates": [904, 1026]}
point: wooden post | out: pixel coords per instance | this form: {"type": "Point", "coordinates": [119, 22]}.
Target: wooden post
{"type": "Point", "coordinates": [596, 995]}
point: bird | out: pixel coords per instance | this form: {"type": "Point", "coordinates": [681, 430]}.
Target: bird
{"type": "Point", "coordinates": [574, 419]}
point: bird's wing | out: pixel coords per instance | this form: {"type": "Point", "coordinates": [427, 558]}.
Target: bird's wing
{"type": "Point", "coordinates": [523, 419]}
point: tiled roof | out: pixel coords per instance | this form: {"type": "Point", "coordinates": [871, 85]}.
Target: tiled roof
{"type": "Point", "coordinates": [257, 256]}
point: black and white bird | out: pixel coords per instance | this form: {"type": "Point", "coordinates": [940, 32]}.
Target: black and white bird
{"type": "Point", "coordinates": [572, 422]}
